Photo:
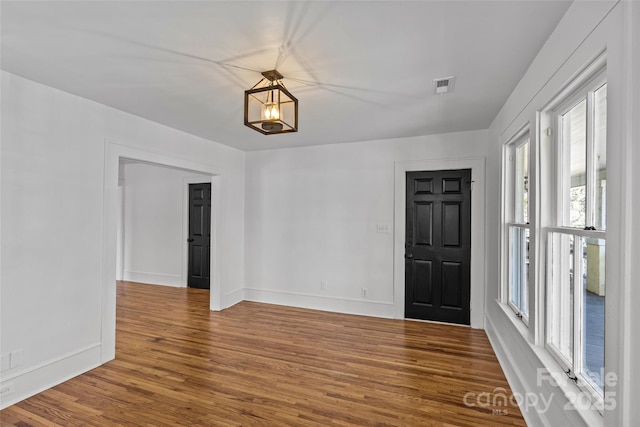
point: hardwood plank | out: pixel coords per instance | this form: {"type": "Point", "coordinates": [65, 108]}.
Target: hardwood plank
{"type": "Point", "coordinates": [178, 363]}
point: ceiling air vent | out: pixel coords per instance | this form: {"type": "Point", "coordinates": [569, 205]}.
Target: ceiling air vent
{"type": "Point", "coordinates": [443, 85]}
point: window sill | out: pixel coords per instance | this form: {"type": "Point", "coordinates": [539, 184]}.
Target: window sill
{"type": "Point", "coordinates": [518, 323]}
{"type": "Point", "coordinates": [570, 391]}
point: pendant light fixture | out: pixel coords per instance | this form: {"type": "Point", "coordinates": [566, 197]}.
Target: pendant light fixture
{"type": "Point", "coordinates": [269, 107]}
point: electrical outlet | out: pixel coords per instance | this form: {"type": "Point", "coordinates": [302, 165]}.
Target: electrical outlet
{"type": "Point", "coordinates": [6, 389]}
{"type": "Point", "coordinates": [17, 358]}
{"type": "Point", "coordinates": [323, 285]}
{"type": "Point", "coordinates": [364, 292]}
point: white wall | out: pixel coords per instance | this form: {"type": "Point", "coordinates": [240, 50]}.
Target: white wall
{"type": "Point", "coordinates": [630, 390]}
{"type": "Point", "coordinates": [54, 181]}
{"type": "Point", "coordinates": [311, 216]}
{"type": "Point", "coordinates": [588, 29]}
{"type": "Point", "coordinates": [154, 217]}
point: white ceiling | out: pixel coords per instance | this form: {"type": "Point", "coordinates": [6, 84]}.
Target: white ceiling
{"type": "Point", "coordinates": [362, 70]}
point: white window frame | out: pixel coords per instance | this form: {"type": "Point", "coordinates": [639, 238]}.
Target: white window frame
{"type": "Point", "coordinates": [585, 87]}
{"type": "Point", "coordinates": [510, 208]}
{"type": "Point", "coordinates": [585, 91]}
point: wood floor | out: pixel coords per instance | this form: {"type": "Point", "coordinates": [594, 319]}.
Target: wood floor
{"type": "Point", "coordinates": [255, 364]}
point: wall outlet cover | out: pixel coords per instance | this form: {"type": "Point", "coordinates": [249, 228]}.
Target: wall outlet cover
{"type": "Point", "coordinates": [383, 228]}
{"type": "Point", "coordinates": [17, 358]}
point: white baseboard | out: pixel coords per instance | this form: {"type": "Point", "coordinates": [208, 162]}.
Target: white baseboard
{"type": "Point", "coordinates": [319, 302]}
{"type": "Point", "coordinates": [233, 298]}
{"type": "Point", "coordinates": [522, 363]}
{"type": "Point", "coordinates": [31, 381]}
{"type": "Point", "coordinates": [154, 278]}
{"type": "Point", "coordinates": [512, 370]}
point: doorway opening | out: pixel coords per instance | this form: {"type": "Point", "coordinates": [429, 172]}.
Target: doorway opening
{"type": "Point", "coordinates": [478, 261]}
{"type": "Point", "coordinates": [153, 224]}
{"type": "Point", "coordinates": [116, 153]}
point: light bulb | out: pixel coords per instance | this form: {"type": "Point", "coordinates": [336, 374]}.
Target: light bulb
{"type": "Point", "coordinates": [271, 112]}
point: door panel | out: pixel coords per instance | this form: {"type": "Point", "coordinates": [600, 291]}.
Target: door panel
{"type": "Point", "coordinates": [423, 229]}
{"type": "Point", "coordinates": [438, 246]}
{"type": "Point", "coordinates": [196, 261]}
{"type": "Point", "coordinates": [451, 281]}
{"type": "Point", "coordinates": [423, 274]}
{"type": "Point", "coordinates": [451, 185]}
{"type": "Point", "coordinates": [199, 235]}
{"type": "Point", "coordinates": [197, 220]}
{"type": "Point", "coordinates": [451, 224]}
{"type": "Point", "coordinates": [423, 186]}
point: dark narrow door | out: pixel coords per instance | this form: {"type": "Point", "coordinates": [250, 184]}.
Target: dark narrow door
{"type": "Point", "coordinates": [438, 246]}
{"type": "Point", "coordinates": [199, 235]}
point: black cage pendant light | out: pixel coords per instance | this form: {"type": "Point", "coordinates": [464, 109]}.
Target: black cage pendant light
{"type": "Point", "coordinates": [269, 107]}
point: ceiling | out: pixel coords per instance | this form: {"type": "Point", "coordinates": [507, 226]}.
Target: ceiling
{"type": "Point", "coordinates": [362, 70]}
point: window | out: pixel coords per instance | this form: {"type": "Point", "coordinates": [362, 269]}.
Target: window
{"type": "Point", "coordinates": [519, 231]}
{"type": "Point", "coordinates": [583, 135]}
{"type": "Point", "coordinates": [577, 238]}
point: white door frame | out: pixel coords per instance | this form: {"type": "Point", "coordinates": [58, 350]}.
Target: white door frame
{"type": "Point", "coordinates": [114, 152]}
{"type": "Point", "coordinates": [477, 166]}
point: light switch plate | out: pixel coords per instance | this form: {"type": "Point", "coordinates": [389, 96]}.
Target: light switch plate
{"type": "Point", "coordinates": [383, 228]}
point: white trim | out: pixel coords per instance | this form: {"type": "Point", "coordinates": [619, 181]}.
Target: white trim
{"type": "Point", "coordinates": [519, 136]}
{"type": "Point", "coordinates": [509, 209]}
{"type": "Point", "coordinates": [478, 259]}
{"type": "Point", "coordinates": [507, 201]}
{"type": "Point", "coordinates": [234, 297]}
{"type": "Point", "coordinates": [355, 306]}
{"type": "Point", "coordinates": [36, 379]}
{"type": "Point", "coordinates": [121, 232]}
{"type": "Point", "coordinates": [594, 71]}
{"type": "Point", "coordinates": [529, 369]}
{"type": "Point", "coordinates": [508, 363]}
{"type": "Point", "coordinates": [595, 234]}
{"type": "Point", "coordinates": [622, 357]}
{"type": "Point", "coordinates": [114, 151]}
{"type": "Point", "coordinates": [172, 280]}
